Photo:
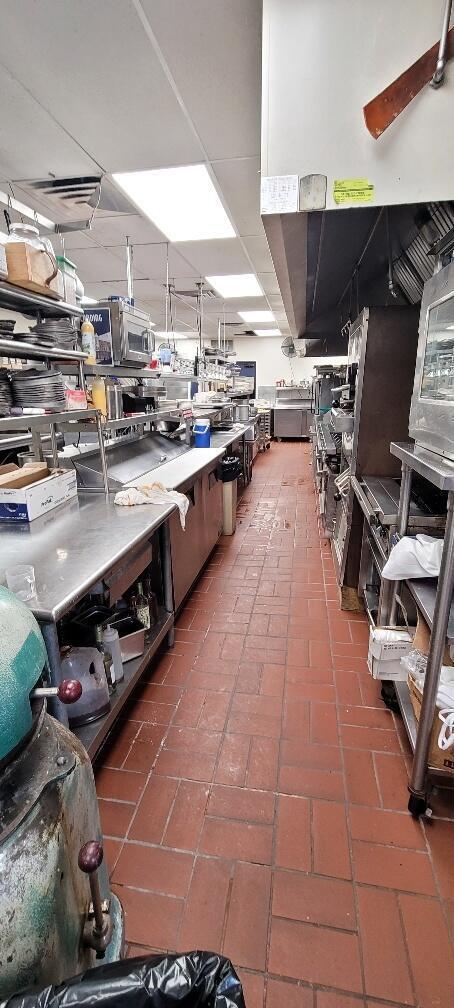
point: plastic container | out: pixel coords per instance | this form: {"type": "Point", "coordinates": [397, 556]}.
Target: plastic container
{"type": "Point", "coordinates": [111, 642]}
{"type": "Point", "coordinates": [88, 341]}
{"type": "Point", "coordinates": [87, 665]}
{"type": "Point", "coordinates": [202, 434]}
{"type": "Point", "coordinates": [98, 395]}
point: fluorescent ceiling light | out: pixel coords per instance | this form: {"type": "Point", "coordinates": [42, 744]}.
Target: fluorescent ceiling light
{"type": "Point", "coordinates": [88, 300]}
{"type": "Point", "coordinates": [175, 335]}
{"type": "Point", "coordinates": [26, 211]}
{"type": "Point", "coordinates": [257, 316]}
{"type": "Point", "coordinates": [181, 202]}
{"type": "Point", "coordinates": [236, 285]}
{"type": "Point", "coordinates": [268, 332]}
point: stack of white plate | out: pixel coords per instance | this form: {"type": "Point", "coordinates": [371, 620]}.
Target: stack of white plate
{"type": "Point", "coordinates": [61, 333]}
{"type": "Point", "coordinates": [6, 397]}
{"type": "Point", "coordinates": [38, 388]}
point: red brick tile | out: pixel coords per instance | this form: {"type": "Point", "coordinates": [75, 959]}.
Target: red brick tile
{"type": "Point", "coordinates": [371, 739]}
{"type": "Point", "coordinates": [298, 780]}
{"type": "Point", "coordinates": [315, 954]}
{"type": "Point", "coordinates": [236, 840]}
{"type": "Point", "coordinates": [258, 624]}
{"type": "Point", "coordinates": [176, 764]}
{"type": "Point", "coordinates": [441, 844]}
{"type": "Point", "coordinates": [348, 687]}
{"type": "Point", "coordinates": [329, 821]}
{"type": "Point", "coordinates": [116, 751]}
{"type": "Point", "coordinates": [186, 818]}
{"type": "Point", "coordinates": [190, 709]}
{"type": "Point", "coordinates": [192, 740]}
{"type": "Point", "coordinates": [322, 692]}
{"type": "Point", "coordinates": [321, 676]}
{"type": "Point", "coordinates": [145, 748]}
{"type": "Point", "coordinates": [350, 664]}
{"type": "Point", "coordinates": [293, 839]}
{"type": "Point", "coordinates": [154, 868]}
{"type": "Point", "coordinates": [247, 922]}
{"type": "Point", "coordinates": [296, 752]}
{"type": "Point", "coordinates": [360, 777]}
{"type": "Point", "coordinates": [359, 632]}
{"type": "Point", "coordinates": [240, 803]}
{"type": "Point", "coordinates": [214, 712]}
{"type": "Point", "coordinates": [254, 724]}
{"type": "Point", "coordinates": [217, 666]}
{"type": "Point", "coordinates": [369, 717]}
{"type": "Point", "coordinates": [297, 652]}
{"type": "Point", "coordinates": [253, 988]}
{"type": "Point", "coordinates": [233, 760]}
{"type": "Point", "coordinates": [320, 654]}
{"type": "Point", "coordinates": [314, 900]}
{"type": "Point", "coordinates": [280, 993]}
{"type": "Point", "coordinates": [204, 912]}
{"type": "Point", "coordinates": [112, 850]}
{"type": "Point", "coordinates": [150, 919]}
{"type": "Point", "coordinates": [262, 706]}
{"type": "Point", "coordinates": [115, 817]}
{"type": "Point", "coordinates": [263, 764]}
{"type": "Point", "coordinates": [431, 953]}
{"type": "Point", "coordinates": [384, 955]}
{"type": "Point", "coordinates": [323, 722]}
{"type": "Point", "coordinates": [264, 654]}
{"type": "Point", "coordinates": [119, 784]}
{"type": "Point", "coordinates": [331, 999]}
{"type": "Point", "coordinates": [161, 693]}
{"type": "Point", "coordinates": [152, 713]}
{"type": "Point", "coordinates": [296, 723]}
{"type": "Point", "coordinates": [393, 868]}
{"type": "Point", "coordinates": [395, 828]}
{"type": "Point", "coordinates": [214, 681]}
{"type": "Point", "coordinates": [278, 626]}
{"type": "Point", "coordinates": [339, 631]}
{"type": "Point", "coordinates": [273, 680]}
{"type": "Point", "coordinates": [153, 811]}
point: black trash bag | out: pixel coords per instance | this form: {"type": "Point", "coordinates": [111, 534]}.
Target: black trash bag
{"type": "Point", "coordinates": [194, 980]}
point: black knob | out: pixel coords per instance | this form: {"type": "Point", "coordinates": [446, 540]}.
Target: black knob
{"type": "Point", "coordinates": [90, 856]}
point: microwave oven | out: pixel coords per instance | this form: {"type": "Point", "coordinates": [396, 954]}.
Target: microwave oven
{"type": "Point", "coordinates": [123, 333]}
{"type": "Point", "coordinates": [432, 406]}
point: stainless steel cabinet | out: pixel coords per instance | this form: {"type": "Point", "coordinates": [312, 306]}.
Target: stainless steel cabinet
{"type": "Point", "coordinates": [291, 422]}
{"type": "Point", "coordinates": [212, 511]}
{"type": "Point", "coordinates": [192, 547]}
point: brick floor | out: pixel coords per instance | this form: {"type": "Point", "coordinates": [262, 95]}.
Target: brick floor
{"type": "Point", "coordinates": [254, 797]}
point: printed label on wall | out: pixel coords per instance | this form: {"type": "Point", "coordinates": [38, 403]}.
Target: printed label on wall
{"type": "Point", "coordinates": [357, 190]}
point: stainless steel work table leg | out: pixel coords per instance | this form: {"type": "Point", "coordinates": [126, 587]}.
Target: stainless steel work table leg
{"type": "Point", "coordinates": [388, 607]}
{"type": "Point", "coordinates": [167, 578]}
{"type": "Point", "coordinates": [417, 802]}
{"type": "Point", "coordinates": [50, 634]}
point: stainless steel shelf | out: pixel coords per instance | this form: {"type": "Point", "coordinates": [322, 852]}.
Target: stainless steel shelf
{"type": "Point", "coordinates": [29, 303]}
{"type": "Point", "coordinates": [424, 592]}
{"type": "Point", "coordinates": [438, 471]}
{"type": "Point", "coordinates": [21, 350]}
{"type": "Point", "coordinates": [26, 423]}
{"type": "Point", "coordinates": [94, 734]}
{"type": "Point", "coordinates": [406, 709]}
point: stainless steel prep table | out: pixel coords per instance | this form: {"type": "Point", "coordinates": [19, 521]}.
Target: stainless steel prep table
{"type": "Point", "coordinates": [71, 549]}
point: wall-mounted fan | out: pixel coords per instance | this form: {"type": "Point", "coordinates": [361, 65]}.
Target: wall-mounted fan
{"type": "Point", "coordinates": [288, 347]}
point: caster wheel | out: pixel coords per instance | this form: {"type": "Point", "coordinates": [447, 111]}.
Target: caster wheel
{"type": "Point", "coordinates": [417, 806]}
{"type": "Point", "coordinates": [388, 695]}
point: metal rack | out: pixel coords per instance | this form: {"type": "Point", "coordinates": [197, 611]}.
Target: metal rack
{"type": "Point", "coordinates": [30, 303]}
{"type": "Point", "coordinates": [440, 472]}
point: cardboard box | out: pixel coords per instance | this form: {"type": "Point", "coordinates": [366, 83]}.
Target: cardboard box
{"type": "Point", "coordinates": [31, 268]}
{"type": "Point", "coordinates": [23, 504]}
{"type": "Point", "coordinates": [442, 759]}
{"type": "Point", "coordinates": [383, 659]}
{"type": "Point", "coordinates": [13, 476]}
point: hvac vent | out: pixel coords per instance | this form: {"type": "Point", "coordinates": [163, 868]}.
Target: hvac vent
{"type": "Point", "coordinates": [416, 264]}
{"type": "Point", "coordinates": [65, 197]}
{"type": "Point", "coordinates": [207, 293]}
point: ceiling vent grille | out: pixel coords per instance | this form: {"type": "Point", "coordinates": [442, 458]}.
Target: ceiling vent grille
{"type": "Point", "coordinates": [416, 264]}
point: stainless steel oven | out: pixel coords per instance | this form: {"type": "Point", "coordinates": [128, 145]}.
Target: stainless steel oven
{"type": "Point", "coordinates": [123, 333]}
{"type": "Point", "coordinates": [432, 405]}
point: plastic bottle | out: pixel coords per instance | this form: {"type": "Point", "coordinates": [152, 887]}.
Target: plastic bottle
{"type": "Point", "coordinates": [152, 600]}
{"type": "Point", "coordinates": [107, 658]}
{"type": "Point", "coordinates": [98, 395]}
{"type": "Point", "coordinates": [140, 607]}
{"type": "Point", "coordinates": [111, 643]}
{"type": "Point", "coordinates": [88, 341]}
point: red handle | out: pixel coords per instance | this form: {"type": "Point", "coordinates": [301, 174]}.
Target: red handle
{"type": "Point", "coordinates": [90, 856]}
{"type": "Point", "coordinates": [69, 691]}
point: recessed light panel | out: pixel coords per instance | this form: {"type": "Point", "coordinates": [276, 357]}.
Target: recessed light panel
{"type": "Point", "coordinates": [88, 300]}
{"type": "Point", "coordinates": [257, 316]}
{"type": "Point", "coordinates": [181, 202]}
{"type": "Point", "coordinates": [236, 285]}
{"type": "Point", "coordinates": [268, 332]}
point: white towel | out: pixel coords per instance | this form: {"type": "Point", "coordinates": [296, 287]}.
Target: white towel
{"type": "Point", "coordinates": [153, 493]}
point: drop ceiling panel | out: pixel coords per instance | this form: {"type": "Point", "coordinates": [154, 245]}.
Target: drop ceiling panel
{"type": "Point", "coordinates": [96, 264]}
{"type": "Point", "coordinates": [269, 284]}
{"type": "Point", "coordinates": [225, 78]}
{"type": "Point", "coordinates": [150, 261]}
{"type": "Point", "coordinates": [74, 240]}
{"type": "Point", "coordinates": [112, 229]}
{"type": "Point", "coordinates": [239, 181]}
{"type": "Point", "coordinates": [106, 86]}
{"type": "Point", "coordinates": [31, 142]}
{"type": "Point", "coordinates": [259, 253]}
{"type": "Point", "coordinates": [215, 257]}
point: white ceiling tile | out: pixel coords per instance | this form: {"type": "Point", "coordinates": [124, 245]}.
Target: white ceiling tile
{"type": "Point", "coordinates": [98, 264]}
{"type": "Point", "coordinates": [214, 257]}
{"type": "Point", "coordinates": [150, 261]}
{"type": "Point", "coordinates": [216, 66]}
{"type": "Point", "coordinates": [269, 284]}
{"type": "Point", "coordinates": [73, 240]}
{"type": "Point", "coordinates": [260, 254]}
{"type": "Point", "coordinates": [106, 86]}
{"type": "Point", "coordinates": [113, 228]}
{"type": "Point", "coordinates": [239, 181]}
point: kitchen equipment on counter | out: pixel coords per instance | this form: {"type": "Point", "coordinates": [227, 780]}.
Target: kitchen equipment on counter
{"type": "Point", "coordinates": [123, 333]}
{"type": "Point", "coordinates": [342, 422]}
{"type": "Point", "coordinates": [49, 811]}
{"type": "Point", "coordinates": [241, 412]}
{"type": "Point", "coordinates": [432, 405]}
{"type": "Point", "coordinates": [61, 333]}
{"type": "Point", "coordinates": [202, 434]}
{"type": "Point", "coordinates": [127, 461]}
{"type": "Point", "coordinates": [131, 634]}
{"type": "Point", "coordinates": [114, 402]}
{"type": "Point", "coordinates": [38, 387]}
{"type": "Point", "coordinates": [86, 664]}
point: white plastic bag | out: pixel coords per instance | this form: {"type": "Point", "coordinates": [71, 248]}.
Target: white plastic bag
{"type": "Point", "coordinates": [414, 557]}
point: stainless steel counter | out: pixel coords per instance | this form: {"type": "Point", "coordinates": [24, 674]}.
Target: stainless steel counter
{"type": "Point", "coordinates": [73, 546]}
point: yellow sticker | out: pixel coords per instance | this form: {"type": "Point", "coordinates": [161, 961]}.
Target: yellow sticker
{"type": "Point", "coordinates": [353, 190]}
